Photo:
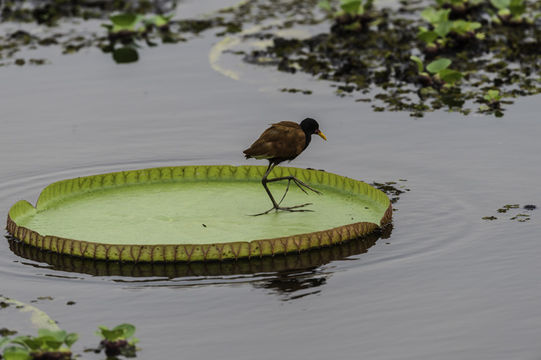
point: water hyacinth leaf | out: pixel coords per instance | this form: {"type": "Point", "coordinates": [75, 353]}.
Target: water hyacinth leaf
{"type": "Point", "coordinates": [463, 26]}
{"type": "Point", "coordinates": [351, 6]}
{"type": "Point", "coordinates": [434, 16]}
{"type": "Point", "coordinates": [501, 4]}
{"type": "Point", "coordinates": [430, 15]}
{"type": "Point", "coordinates": [450, 76]}
{"type": "Point", "coordinates": [438, 65]}
{"type": "Point", "coordinates": [3, 341]}
{"type": "Point", "coordinates": [58, 335]}
{"type": "Point", "coordinates": [50, 343]}
{"type": "Point", "coordinates": [127, 330]}
{"type": "Point", "coordinates": [427, 36]}
{"type": "Point", "coordinates": [159, 20]}
{"type": "Point", "coordinates": [419, 62]}
{"type": "Point", "coordinates": [71, 339]}
{"type": "Point", "coordinates": [125, 55]}
{"type": "Point", "coordinates": [16, 353]}
{"type": "Point", "coordinates": [517, 7]}
{"type": "Point", "coordinates": [27, 342]}
{"type": "Point", "coordinates": [111, 335]}
{"type": "Point", "coordinates": [125, 21]}
{"type": "Point", "coordinates": [443, 28]}
{"type": "Point", "coordinates": [492, 95]}
{"type": "Point", "coordinates": [325, 5]}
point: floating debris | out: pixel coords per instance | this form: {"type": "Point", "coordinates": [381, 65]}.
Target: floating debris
{"type": "Point", "coordinates": [520, 217]}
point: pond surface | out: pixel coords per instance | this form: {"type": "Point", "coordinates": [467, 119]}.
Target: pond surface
{"type": "Point", "coordinates": [446, 284]}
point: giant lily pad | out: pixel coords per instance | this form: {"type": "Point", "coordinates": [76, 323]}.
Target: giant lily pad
{"type": "Point", "coordinates": [194, 213]}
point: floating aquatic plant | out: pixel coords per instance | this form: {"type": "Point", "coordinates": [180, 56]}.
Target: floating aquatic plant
{"type": "Point", "coordinates": [128, 29]}
{"type": "Point", "coordinates": [352, 16]}
{"type": "Point", "coordinates": [445, 32]}
{"type": "Point", "coordinates": [511, 12]}
{"type": "Point", "coordinates": [438, 73]}
{"type": "Point", "coordinates": [459, 7]}
{"type": "Point", "coordinates": [118, 340]}
{"type": "Point", "coordinates": [49, 344]}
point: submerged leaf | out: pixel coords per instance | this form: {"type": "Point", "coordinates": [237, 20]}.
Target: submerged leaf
{"type": "Point", "coordinates": [125, 55]}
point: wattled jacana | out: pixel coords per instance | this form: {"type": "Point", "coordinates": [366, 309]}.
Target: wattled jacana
{"type": "Point", "coordinates": [284, 141]}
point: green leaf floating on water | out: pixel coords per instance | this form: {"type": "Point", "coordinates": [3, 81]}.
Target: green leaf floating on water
{"type": "Point", "coordinates": [16, 353]}
{"type": "Point", "coordinates": [189, 213]}
{"type": "Point", "coordinates": [125, 22]}
{"type": "Point", "coordinates": [438, 65]}
{"type": "Point", "coordinates": [501, 4]}
{"type": "Point", "coordinates": [418, 62]}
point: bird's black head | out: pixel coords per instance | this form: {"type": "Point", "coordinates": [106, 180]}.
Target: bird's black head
{"type": "Point", "coordinates": [310, 127]}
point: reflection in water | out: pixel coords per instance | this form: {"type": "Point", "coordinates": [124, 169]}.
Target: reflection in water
{"type": "Point", "coordinates": [292, 275]}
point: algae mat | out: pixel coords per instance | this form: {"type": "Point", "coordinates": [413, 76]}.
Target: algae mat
{"type": "Point", "coordinates": [190, 213]}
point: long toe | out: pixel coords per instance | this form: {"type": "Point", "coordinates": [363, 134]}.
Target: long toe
{"type": "Point", "coordinates": [295, 208]}
{"type": "Point", "coordinates": [301, 184]}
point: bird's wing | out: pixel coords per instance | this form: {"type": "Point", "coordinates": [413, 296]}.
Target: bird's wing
{"type": "Point", "coordinates": [289, 124]}
{"type": "Point", "coordinates": [281, 140]}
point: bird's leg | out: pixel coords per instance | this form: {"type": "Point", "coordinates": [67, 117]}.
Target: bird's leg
{"type": "Point", "coordinates": [276, 206]}
{"type": "Point", "coordinates": [264, 182]}
{"type": "Point", "coordinates": [297, 182]}
{"type": "Point", "coordinates": [285, 193]}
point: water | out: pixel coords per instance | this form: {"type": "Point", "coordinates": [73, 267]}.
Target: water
{"type": "Point", "coordinates": [445, 285]}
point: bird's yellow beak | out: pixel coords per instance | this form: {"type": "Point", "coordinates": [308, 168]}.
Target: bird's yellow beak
{"type": "Point", "coordinates": [322, 135]}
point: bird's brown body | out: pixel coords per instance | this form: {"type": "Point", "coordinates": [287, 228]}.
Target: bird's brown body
{"type": "Point", "coordinates": [282, 141]}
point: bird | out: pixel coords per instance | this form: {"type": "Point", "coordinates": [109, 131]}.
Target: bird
{"type": "Point", "coordinates": [283, 141]}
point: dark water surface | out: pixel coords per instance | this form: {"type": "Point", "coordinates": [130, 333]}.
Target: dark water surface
{"type": "Point", "coordinates": [445, 285]}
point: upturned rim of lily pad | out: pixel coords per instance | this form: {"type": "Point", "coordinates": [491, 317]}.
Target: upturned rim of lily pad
{"type": "Point", "coordinates": [256, 248]}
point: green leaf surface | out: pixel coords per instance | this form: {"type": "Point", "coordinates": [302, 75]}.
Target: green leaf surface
{"type": "Point", "coordinates": [325, 5]}
{"type": "Point", "coordinates": [350, 6]}
{"type": "Point", "coordinates": [438, 65]}
{"type": "Point", "coordinates": [450, 76]}
{"type": "Point", "coordinates": [501, 4]}
{"type": "Point", "coordinates": [427, 36]}
{"type": "Point", "coordinates": [71, 339]}
{"type": "Point", "coordinates": [125, 21]}
{"type": "Point", "coordinates": [159, 20]}
{"type": "Point", "coordinates": [419, 62]}
{"type": "Point", "coordinates": [463, 26]}
{"type": "Point", "coordinates": [517, 7]}
{"type": "Point", "coordinates": [434, 16]}
{"type": "Point", "coordinates": [58, 335]}
{"type": "Point", "coordinates": [193, 212]}
{"type": "Point", "coordinates": [16, 353]}
{"type": "Point", "coordinates": [443, 28]}
{"type": "Point", "coordinates": [111, 335]}
{"type": "Point", "coordinates": [127, 330]}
